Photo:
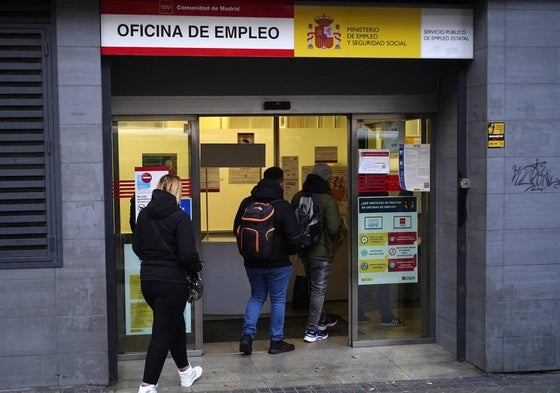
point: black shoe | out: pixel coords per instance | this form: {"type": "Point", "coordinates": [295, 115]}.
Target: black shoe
{"type": "Point", "coordinates": [246, 344]}
{"type": "Point", "coordinates": [280, 346]}
{"type": "Point", "coordinates": [328, 322]}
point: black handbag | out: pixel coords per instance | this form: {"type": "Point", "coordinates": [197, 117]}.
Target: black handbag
{"type": "Point", "coordinates": [194, 281]}
{"type": "Point", "coordinates": [300, 296]}
{"type": "Point", "coordinates": [196, 288]}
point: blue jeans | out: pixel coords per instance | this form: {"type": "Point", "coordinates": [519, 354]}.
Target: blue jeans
{"type": "Point", "coordinates": [271, 282]}
{"type": "Point", "coordinates": [317, 272]}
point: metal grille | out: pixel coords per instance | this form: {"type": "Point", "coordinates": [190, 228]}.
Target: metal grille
{"type": "Point", "coordinates": [24, 150]}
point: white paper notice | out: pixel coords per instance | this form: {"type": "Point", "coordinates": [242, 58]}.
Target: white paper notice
{"type": "Point", "coordinates": [374, 161]}
{"type": "Point", "coordinates": [414, 167]}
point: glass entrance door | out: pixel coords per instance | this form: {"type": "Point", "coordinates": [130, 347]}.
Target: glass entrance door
{"type": "Point", "coordinates": [294, 143]}
{"type": "Point", "coordinates": [391, 234]}
{"type": "Point", "coordinates": [144, 150]}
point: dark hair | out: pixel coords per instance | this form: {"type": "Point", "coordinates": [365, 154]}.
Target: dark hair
{"type": "Point", "coordinates": [274, 173]}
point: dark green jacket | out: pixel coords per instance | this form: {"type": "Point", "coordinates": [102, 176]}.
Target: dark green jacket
{"type": "Point", "coordinates": [329, 217]}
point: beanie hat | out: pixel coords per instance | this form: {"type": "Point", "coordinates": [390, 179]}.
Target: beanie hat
{"type": "Point", "coordinates": [322, 170]}
{"type": "Point", "coordinates": [274, 173]}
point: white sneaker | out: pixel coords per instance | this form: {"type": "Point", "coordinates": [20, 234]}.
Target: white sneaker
{"type": "Point", "coordinates": [190, 375]}
{"type": "Point", "coordinates": [147, 389]}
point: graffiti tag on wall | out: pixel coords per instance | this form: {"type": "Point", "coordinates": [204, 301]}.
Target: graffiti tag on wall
{"type": "Point", "coordinates": [536, 177]}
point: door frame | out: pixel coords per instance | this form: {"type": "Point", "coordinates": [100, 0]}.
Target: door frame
{"type": "Point", "coordinates": [426, 273]}
{"type": "Point", "coordinates": [190, 107]}
{"type": "Point", "coordinates": [113, 318]}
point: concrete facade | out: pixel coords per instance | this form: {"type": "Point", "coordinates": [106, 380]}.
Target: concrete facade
{"type": "Point", "coordinates": [513, 208]}
{"type": "Point", "coordinates": [54, 321]}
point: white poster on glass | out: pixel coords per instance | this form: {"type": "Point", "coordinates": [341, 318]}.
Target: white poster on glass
{"type": "Point", "coordinates": [374, 161]}
{"type": "Point", "coordinates": [414, 167]}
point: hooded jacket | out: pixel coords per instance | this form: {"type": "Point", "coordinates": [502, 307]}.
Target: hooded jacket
{"type": "Point", "coordinates": [168, 263]}
{"type": "Point", "coordinates": [285, 222]}
{"type": "Point", "coordinates": [329, 218]}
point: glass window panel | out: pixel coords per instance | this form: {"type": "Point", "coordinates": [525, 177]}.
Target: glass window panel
{"type": "Point", "coordinates": [391, 311]}
{"type": "Point", "coordinates": [229, 185]}
{"type": "Point", "coordinates": [136, 144]}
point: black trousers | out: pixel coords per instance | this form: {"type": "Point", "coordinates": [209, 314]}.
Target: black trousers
{"type": "Point", "coordinates": [167, 301]}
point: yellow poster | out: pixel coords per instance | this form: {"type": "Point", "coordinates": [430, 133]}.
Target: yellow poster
{"type": "Point", "coordinates": [135, 291]}
{"type": "Point", "coordinates": [496, 134]}
{"type": "Point", "coordinates": [140, 318]}
{"type": "Point", "coordinates": [357, 32]}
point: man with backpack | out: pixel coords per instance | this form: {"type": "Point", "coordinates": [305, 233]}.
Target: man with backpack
{"type": "Point", "coordinates": [267, 233]}
{"type": "Point", "coordinates": [317, 256]}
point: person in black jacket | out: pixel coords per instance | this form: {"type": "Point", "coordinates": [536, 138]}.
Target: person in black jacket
{"type": "Point", "coordinates": [273, 277]}
{"type": "Point", "coordinates": [164, 241]}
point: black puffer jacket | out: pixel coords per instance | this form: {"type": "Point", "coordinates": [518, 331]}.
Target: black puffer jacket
{"type": "Point", "coordinates": [161, 263]}
{"type": "Point", "coordinates": [285, 221]}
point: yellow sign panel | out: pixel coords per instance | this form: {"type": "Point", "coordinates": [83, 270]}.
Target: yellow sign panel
{"type": "Point", "coordinates": [373, 239]}
{"type": "Point", "coordinates": [141, 317]}
{"type": "Point", "coordinates": [373, 266]}
{"type": "Point", "coordinates": [357, 32]}
{"type": "Point", "coordinates": [496, 134]}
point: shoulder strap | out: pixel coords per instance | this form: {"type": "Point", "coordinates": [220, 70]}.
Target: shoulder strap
{"type": "Point", "coordinates": [162, 240]}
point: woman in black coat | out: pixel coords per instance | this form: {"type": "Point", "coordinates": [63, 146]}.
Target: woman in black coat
{"type": "Point", "coordinates": [165, 243]}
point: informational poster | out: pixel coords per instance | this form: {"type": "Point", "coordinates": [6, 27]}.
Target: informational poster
{"type": "Point", "coordinates": [137, 312]}
{"type": "Point", "coordinates": [247, 175]}
{"type": "Point", "coordinates": [290, 165]}
{"type": "Point", "coordinates": [496, 134]}
{"type": "Point", "coordinates": [146, 179]}
{"type": "Point", "coordinates": [326, 154]}
{"type": "Point", "coordinates": [339, 187]}
{"type": "Point", "coordinates": [138, 315]}
{"type": "Point", "coordinates": [414, 167]}
{"type": "Point", "coordinates": [387, 240]}
{"type": "Point", "coordinates": [374, 161]}
{"type": "Point", "coordinates": [339, 183]}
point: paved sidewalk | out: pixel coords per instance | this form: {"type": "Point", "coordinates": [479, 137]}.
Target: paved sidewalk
{"type": "Point", "coordinates": [329, 366]}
